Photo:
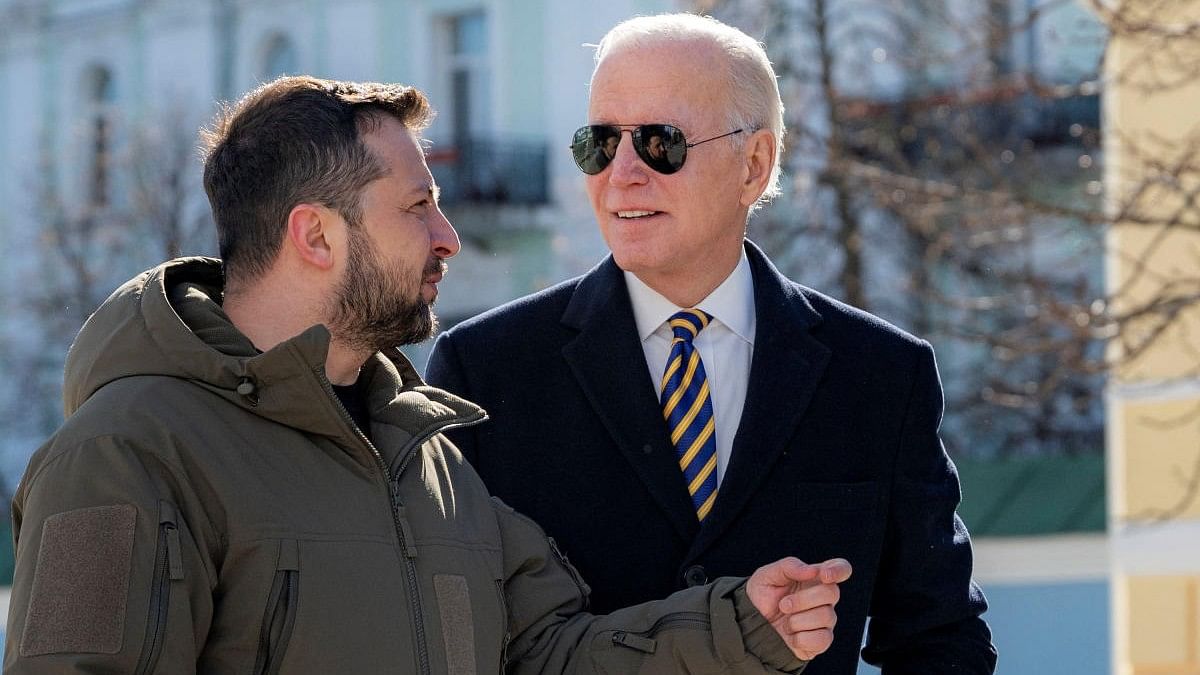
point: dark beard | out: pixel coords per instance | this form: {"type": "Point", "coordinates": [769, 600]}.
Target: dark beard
{"type": "Point", "coordinates": [373, 310]}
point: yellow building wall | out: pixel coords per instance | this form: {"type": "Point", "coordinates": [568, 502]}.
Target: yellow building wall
{"type": "Point", "coordinates": [1162, 444]}
{"type": "Point", "coordinates": [1163, 624]}
{"type": "Point", "coordinates": [1154, 435]}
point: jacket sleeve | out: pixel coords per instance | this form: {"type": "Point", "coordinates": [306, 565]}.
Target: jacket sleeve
{"type": "Point", "coordinates": [707, 629]}
{"type": "Point", "coordinates": [444, 370]}
{"type": "Point", "coordinates": [108, 575]}
{"type": "Point", "coordinates": [925, 608]}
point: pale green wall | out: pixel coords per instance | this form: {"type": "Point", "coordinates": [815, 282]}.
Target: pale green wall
{"type": "Point", "coordinates": [516, 35]}
{"type": "Point", "coordinates": [49, 142]}
{"type": "Point", "coordinates": [139, 55]}
{"type": "Point", "coordinates": [523, 81]}
{"type": "Point", "coordinates": [395, 33]}
{"type": "Point", "coordinates": [531, 260]}
{"type": "Point", "coordinates": [320, 36]}
{"type": "Point", "coordinates": [8, 181]}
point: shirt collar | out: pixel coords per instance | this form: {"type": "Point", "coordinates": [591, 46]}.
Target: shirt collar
{"type": "Point", "coordinates": [731, 303]}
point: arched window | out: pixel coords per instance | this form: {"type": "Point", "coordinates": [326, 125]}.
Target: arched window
{"type": "Point", "coordinates": [99, 92]}
{"type": "Point", "coordinates": [278, 58]}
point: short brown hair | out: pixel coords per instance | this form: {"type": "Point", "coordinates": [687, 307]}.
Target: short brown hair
{"type": "Point", "coordinates": [291, 141]}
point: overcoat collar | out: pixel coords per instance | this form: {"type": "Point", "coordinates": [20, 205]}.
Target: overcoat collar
{"type": "Point", "coordinates": [786, 366]}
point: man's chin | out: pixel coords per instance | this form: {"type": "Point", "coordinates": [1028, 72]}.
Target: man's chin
{"type": "Point", "coordinates": [420, 330]}
{"type": "Point", "coordinates": [419, 327]}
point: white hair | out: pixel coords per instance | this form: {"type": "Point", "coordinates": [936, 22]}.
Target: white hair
{"type": "Point", "coordinates": [754, 102]}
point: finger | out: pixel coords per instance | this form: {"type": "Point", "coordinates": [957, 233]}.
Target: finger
{"type": "Point", "coordinates": [810, 597]}
{"type": "Point", "coordinates": [835, 571]}
{"type": "Point", "coordinates": [813, 619]}
{"type": "Point", "coordinates": [810, 644]}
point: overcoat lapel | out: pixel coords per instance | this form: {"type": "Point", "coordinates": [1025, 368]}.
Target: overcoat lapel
{"type": "Point", "coordinates": [785, 368]}
{"type": "Point", "coordinates": [607, 360]}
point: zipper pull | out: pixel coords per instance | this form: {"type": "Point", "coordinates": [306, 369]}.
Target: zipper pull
{"type": "Point", "coordinates": [168, 519]}
{"type": "Point", "coordinates": [174, 557]}
{"type": "Point", "coordinates": [410, 546]}
{"type": "Point", "coordinates": [635, 642]}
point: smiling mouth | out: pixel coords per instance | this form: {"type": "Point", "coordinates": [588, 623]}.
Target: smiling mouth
{"type": "Point", "coordinates": [636, 214]}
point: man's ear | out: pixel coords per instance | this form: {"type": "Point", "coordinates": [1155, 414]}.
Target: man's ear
{"type": "Point", "coordinates": [311, 231]}
{"type": "Point", "coordinates": [758, 158]}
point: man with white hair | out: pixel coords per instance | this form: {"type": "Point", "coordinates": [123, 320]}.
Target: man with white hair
{"type": "Point", "coordinates": [683, 411]}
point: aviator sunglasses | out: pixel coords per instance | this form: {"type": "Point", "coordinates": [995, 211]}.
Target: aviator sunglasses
{"type": "Point", "coordinates": [661, 146]}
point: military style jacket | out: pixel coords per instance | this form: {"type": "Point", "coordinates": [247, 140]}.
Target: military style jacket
{"type": "Point", "coordinates": [210, 508]}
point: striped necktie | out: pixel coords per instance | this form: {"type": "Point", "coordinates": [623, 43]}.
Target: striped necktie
{"type": "Point", "coordinates": [687, 408]}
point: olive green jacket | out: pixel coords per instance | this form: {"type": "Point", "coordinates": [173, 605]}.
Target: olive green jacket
{"type": "Point", "coordinates": [209, 508]}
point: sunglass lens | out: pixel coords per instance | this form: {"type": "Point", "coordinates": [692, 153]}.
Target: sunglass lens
{"type": "Point", "coordinates": [594, 146]}
{"type": "Point", "coordinates": [662, 147]}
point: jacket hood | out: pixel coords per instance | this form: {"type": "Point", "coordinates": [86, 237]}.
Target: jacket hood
{"type": "Point", "coordinates": [168, 321]}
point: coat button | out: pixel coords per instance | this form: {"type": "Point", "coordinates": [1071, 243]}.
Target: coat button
{"type": "Point", "coordinates": [695, 576]}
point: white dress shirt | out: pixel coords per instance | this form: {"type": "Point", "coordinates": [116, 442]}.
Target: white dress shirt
{"type": "Point", "coordinates": [725, 345]}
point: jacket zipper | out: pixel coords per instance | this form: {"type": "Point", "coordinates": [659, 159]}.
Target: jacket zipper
{"type": "Point", "coordinates": [398, 521]}
{"type": "Point", "coordinates": [407, 541]}
{"type": "Point", "coordinates": [167, 566]}
{"type": "Point", "coordinates": [507, 635]}
{"type": "Point", "coordinates": [643, 641]}
{"type": "Point", "coordinates": [279, 613]}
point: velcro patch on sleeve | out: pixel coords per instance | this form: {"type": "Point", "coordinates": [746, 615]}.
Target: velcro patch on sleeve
{"type": "Point", "coordinates": [80, 586]}
{"type": "Point", "coordinates": [458, 626]}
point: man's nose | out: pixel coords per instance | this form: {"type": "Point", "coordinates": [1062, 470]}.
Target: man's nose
{"type": "Point", "coordinates": [443, 237]}
{"type": "Point", "coordinates": [627, 167]}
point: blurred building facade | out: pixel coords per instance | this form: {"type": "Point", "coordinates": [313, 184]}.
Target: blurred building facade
{"type": "Point", "coordinates": [1154, 397]}
{"type": "Point", "coordinates": [103, 98]}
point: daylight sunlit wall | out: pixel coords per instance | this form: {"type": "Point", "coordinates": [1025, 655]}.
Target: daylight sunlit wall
{"type": "Point", "coordinates": [1154, 403]}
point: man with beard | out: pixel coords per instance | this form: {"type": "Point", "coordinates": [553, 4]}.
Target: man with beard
{"type": "Point", "coordinates": [251, 478]}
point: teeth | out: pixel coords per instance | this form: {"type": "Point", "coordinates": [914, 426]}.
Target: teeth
{"type": "Point", "coordinates": [635, 214]}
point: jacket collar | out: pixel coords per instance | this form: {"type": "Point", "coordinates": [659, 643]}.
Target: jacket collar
{"type": "Point", "coordinates": [168, 322]}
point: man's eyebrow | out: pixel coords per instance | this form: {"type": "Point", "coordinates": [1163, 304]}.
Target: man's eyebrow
{"type": "Point", "coordinates": [421, 191]}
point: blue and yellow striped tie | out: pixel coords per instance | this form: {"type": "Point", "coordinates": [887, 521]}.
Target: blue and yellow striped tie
{"type": "Point", "coordinates": [687, 408]}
